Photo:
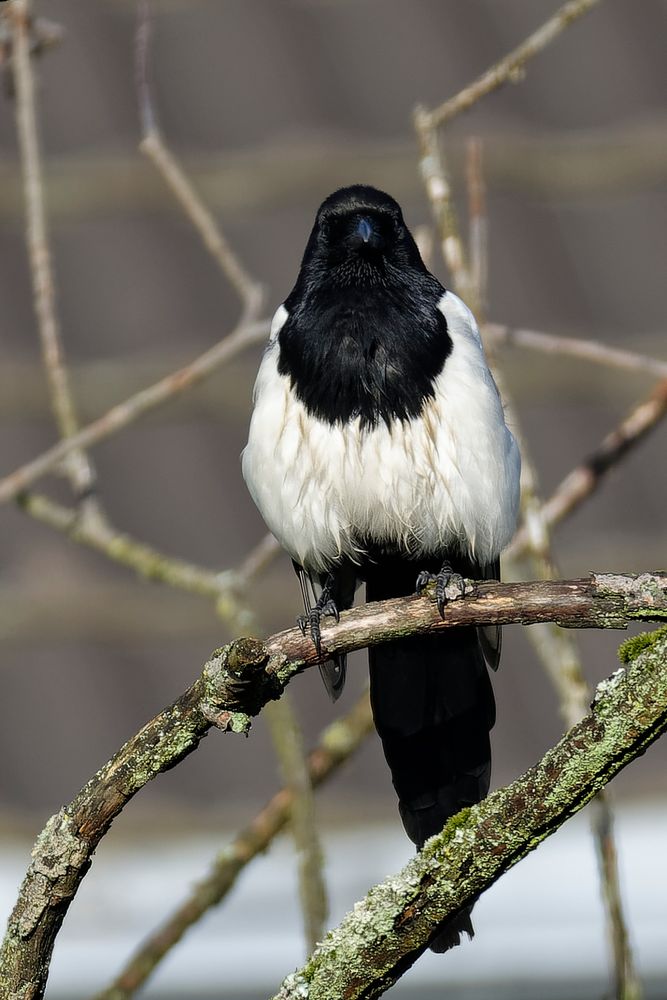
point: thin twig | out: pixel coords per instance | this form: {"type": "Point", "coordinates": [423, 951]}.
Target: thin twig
{"type": "Point", "coordinates": [510, 69]}
{"type": "Point", "coordinates": [78, 466]}
{"type": "Point", "coordinates": [586, 478]}
{"type": "Point", "coordinates": [288, 743]}
{"type": "Point", "coordinates": [574, 347]}
{"type": "Point", "coordinates": [438, 190]}
{"type": "Point", "coordinates": [154, 147]}
{"type": "Point", "coordinates": [477, 224]}
{"type": "Point", "coordinates": [135, 406]}
{"type": "Point", "coordinates": [121, 548]}
{"type": "Point", "coordinates": [257, 560]}
{"type": "Point", "coordinates": [287, 739]}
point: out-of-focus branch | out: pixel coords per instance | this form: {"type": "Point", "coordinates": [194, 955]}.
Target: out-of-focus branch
{"type": "Point", "coordinates": [574, 347]}
{"type": "Point", "coordinates": [235, 685]}
{"type": "Point", "coordinates": [512, 68]}
{"type": "Point", "coordinates": [42, 36]}
{"type": "Point", "coordinates": [225, 588]}
{"type": "Point", "coordinates": [477, 224]}
{"type": "Point", "coordinates": [585, 479]}
{"type": "Point", "coordinates": [556, 650]}
{"type": "Point", "coordinates": [438, 190]}
{"type": "Point", "coordinates": [287, 739]}
{"type": "Point", "coordinates": [258, 558]}
{"type": "Point", "coordinates": [119, 547]}
{"type": "Point", "coordinates": [388, 931]}
{"type": "Point", "coordinates": [154, 147]}
{"type": "Point", "coordinates": [135, 406]}
{"type": "Point", "coordinates": [288, 743]}
{"type": "Point", "coordinates": [77, 464]}
{"type": "Point", "coordinates": [337, 743]}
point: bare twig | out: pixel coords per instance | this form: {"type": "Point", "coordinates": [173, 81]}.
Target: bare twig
{"type": "Point", "coordinates": [226, 588]}
{"type": "Point", "coordinates": [259, 558]}
{"type": "Point", "coordinates": [627, 985]}
{"type": "Point", "coordinates": [154, 147]}
{"type": "Point", "coordinates": [78, 466]}
{"type": "Point", "coordinates": [579, 484]}
{"type": "Point", "coordinates": [119, 547]}
{"type": "Point", "coordinates": [135, 406]}
{"type": "Point", "coordinates": [234, 686]}
{"type": "Point", "coordinates": [510, 69]}
{"type": "Point", "coordinates": [438, 190]}
{"type": "Point", "coordinates": [287, 740]}
{"type": "Point", "coordinates": [42, 36]}
{"type": "Point", "coordinates": [478, 224]}
{"type": "Point", "coordinates": [574, 347]}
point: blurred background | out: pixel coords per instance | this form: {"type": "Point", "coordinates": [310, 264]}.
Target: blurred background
{"type": "Point", "coordinates": [270, 105]}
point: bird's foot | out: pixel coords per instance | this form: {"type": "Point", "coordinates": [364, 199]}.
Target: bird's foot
{"type": "Point", "coordinates": [310, 622]}
{"type": "Point", "coordinates": [449, 586]}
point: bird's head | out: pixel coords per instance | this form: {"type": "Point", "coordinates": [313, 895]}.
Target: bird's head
{"type": "Point", "coordinates": [360, 238]}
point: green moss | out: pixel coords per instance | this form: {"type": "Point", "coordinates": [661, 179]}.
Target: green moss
{"type": "Point", "coordinates": [454, 824]}
{"type": "Point", "coordinates": [631, 648]}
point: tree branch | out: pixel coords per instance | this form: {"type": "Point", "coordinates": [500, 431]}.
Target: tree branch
{"type": "Point", "coordinates": [510, 69]}
{"type": "Point", "coordinates": [337, 743]}
{"type": "Point", "coordinates": [77, 464]}
{"type": "Point", "coordinates": [388, 931]}
{"type": "Point", "coordinates": [575, 347]}
{"type": "Point", "coordinates": [235, 684]}
{"type": "Point", "coordinates": [586, 478]}
{"type": "Point", "coordinates": [135, 406]}
{"type": "Point", "coordinates": [154, 147]}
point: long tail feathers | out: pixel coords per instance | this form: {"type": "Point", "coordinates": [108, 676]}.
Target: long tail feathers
{"type": "Point", "coordinates": [433, 707]}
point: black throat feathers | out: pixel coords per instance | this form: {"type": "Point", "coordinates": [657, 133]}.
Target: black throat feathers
{"type": "Point", "coordinates": [364, 352]}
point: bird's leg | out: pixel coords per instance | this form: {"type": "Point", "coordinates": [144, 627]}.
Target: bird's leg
{"type": "Point", "coordinates": [310, 622]}
{"type": "Point", "coordinates": [449, 586]}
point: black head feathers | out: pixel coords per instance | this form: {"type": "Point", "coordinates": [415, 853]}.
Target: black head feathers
{"type": "Point", "coordinates": [364, 336]}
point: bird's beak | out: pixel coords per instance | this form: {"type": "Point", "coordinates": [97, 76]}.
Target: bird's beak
{"type": "Point", "coordinates": [364, 230]}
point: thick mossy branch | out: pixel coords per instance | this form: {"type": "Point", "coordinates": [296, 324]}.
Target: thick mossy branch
{"type": "Point", "coordinates": [392, 926]}
{"type": "Point", "coordinates": [235, 684]}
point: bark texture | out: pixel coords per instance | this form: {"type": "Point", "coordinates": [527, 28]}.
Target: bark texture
{"type": "Point", "coordinates": [235, 684]}
{"type": "Point", "coordinates": [392, 926]}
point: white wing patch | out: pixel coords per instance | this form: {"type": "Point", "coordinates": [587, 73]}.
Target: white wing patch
{"type": "Point", "coordinates": [448, 477]}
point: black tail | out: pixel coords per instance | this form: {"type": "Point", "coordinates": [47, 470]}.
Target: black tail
{"type": "Point", "coordinates": [433, 707]}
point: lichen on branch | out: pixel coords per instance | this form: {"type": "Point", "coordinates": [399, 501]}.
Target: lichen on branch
{"type": "Point", "coordinates": [387, 931]}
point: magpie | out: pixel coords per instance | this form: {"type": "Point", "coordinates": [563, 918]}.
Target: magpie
{"type": "Point", "coordinates": [378, 453]}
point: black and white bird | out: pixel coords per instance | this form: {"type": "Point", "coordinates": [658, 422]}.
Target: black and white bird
{"type": "Point", "coordinates": [378, 452]}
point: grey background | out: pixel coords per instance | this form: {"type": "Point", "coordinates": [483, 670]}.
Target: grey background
{"type": "Point", "coordinates": [271, 105]}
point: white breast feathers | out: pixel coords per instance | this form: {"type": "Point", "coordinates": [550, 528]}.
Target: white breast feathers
{"type": "Point", "coordinates": [447, 478]}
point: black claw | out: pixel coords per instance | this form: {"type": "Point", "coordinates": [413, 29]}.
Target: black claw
{"type": "Point", "coordinates": [331, 610]}
{"type": "Point", "coordinates": [311, 622]}
{"type": "Point", "coordinates": [423, 581]}
{"type": "Point", "coordinates": [443, 579]}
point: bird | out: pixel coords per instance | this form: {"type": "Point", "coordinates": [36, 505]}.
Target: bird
{"type": "Point", "coordinates": [378, 454]}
